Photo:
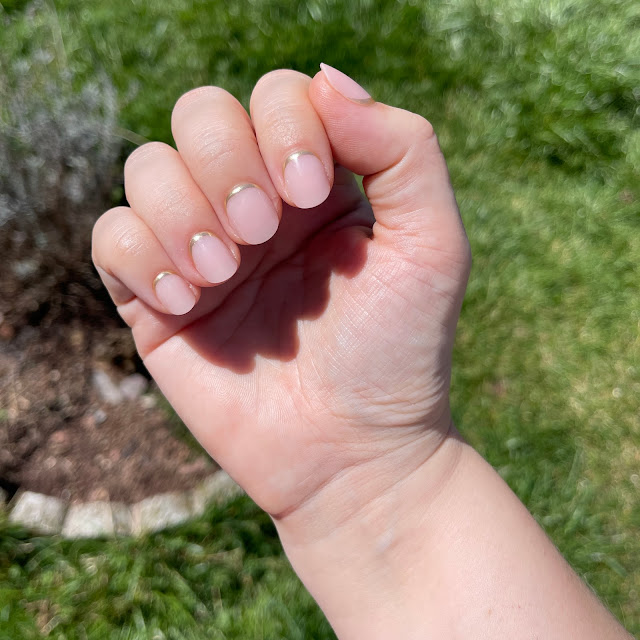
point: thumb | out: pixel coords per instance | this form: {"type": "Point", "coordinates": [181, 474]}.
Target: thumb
{"type": "Point", "coordinates": [405, 174]}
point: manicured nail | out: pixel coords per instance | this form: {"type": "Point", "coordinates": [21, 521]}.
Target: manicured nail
{"type": "Point", "coordinates": [305, 180]}
{"type": "Point", "coordinates": [251, 213]}
{"type": "Point", "coordinates": [343, 84]}
{"type": "Point", "coordinates": [174, 293]}
{"type": "Point", "coordinates": [212, 257]}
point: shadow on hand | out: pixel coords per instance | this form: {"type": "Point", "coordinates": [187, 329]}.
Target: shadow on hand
{"type": "Point", "coordinates": [261, 317]}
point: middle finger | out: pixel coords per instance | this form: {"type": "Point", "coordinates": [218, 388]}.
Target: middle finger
{"type": "Point", "coordinates": [215, 139]}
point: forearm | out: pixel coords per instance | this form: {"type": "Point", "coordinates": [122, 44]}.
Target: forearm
{"type": "Point", "coordinates": [446, 552]}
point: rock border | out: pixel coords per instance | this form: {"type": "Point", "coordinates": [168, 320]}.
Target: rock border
{"type": "Point", "coordinates": [46, 515]}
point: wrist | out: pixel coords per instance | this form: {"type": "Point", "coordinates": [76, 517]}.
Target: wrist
{"type": "Point", "coordinates": [355, 542]}
{"type": "Point", "coordinates": [445, 551]}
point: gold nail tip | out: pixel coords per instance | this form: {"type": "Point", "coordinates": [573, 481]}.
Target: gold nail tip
{"type": "Point", "coordinates": [161, 275]}
{"type": "Point", "coordinates": [296, 155]}
{"type": "Point", "coordinates": [240, 187]}
{"type": "Point", "coordinates": [197, 237]}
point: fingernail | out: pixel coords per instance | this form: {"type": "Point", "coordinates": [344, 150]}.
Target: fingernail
{"type": "Point", "coordinates": [344, 85]}
{"type": "Point", "coordinates": [212, 257]}
{"type": "Point", "coordinates": [174, 293]}
{"type": "Point", "coordinates": [252, 213]}
{"type": "Point", "coordinates": [305, 180]}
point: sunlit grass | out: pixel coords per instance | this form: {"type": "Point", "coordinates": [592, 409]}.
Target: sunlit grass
{"type": "Point", "coordinates": [223, 576]}
{"type": "Point", "coordinates": [536, 106]}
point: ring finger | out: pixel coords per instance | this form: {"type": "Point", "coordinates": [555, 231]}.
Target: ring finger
{"type": "Point", "coordinates": [162, 192]}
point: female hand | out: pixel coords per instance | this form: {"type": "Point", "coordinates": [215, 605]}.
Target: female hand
{"type": "Point", "coordinates": [326, 357]}
{"type": "Point", "coordinates": [317, 373]}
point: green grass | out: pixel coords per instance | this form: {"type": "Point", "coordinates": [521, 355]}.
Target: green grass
{"type": "Point", "coordinates": [537, 107]}
{"type": "Point", "coordinates": [220, 577]}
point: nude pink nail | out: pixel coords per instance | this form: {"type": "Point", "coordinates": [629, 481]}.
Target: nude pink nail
{"type": "Point", "coordinates": [305, 180]}
{"type": "Point", "coordinates": [344, 85]}
{"type": "Point", "coordinates": [175, 295]}
{"type": "Point", "coordinates": [212, 258]}
{"type": "Point", "coordinates": [252, 213]}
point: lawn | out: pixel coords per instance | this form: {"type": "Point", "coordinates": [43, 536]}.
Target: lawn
{"type": "Point", "coordinates": [537, 106]}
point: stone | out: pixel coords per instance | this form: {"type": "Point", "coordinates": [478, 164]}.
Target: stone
{"type": "Point", "coordinates": [25, 268]}
{"type": "Point", "coordinates": [200, 464]}
{"type": "Point", "coordinates": [217, 488]}
{"type": "Point", "coordinates": [133, 386]}
{"type": "Point", "coordinates": [148, 401]}
{"type": "Point", "coordinates": [106, 388]}
{"type": "Point", "coordinates": [122, 519]}
{"type": "Point", "coordinates": [60, 437]}
{"type": "Point", "coordinates": [88, 520]}
{"type": "Point", "coordinates": [42, 514]}
{"type": "Point", "coordinates": [6, 331]}
{"type": "Point", "coordinates": [103, 462]}
{"type": "Point", "coordinates": [160, 511]}
{"type": "Point", "coordinates": [129, 449]}
{"type": "Point", "coordinates": [99, 494]}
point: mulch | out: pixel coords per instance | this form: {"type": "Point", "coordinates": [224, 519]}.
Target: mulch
{"type": "Point", "coordinates": [59, 437]}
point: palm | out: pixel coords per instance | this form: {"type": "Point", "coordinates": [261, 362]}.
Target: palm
{"type": "Point", "coordinates": [289, 373]}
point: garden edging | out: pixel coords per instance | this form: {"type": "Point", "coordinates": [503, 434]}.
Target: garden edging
{"type": "Point", "coordinates": [47, 515]}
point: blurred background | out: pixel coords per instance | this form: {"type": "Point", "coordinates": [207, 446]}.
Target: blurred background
{"type": "Point", "coordinates": [537, 107]}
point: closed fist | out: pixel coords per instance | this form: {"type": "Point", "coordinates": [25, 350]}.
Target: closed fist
{"type": "Point", "coordinates": [302, 331]}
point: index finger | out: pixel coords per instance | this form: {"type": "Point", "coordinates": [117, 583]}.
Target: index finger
{"type": "Point", "coordinates": [292, 139]}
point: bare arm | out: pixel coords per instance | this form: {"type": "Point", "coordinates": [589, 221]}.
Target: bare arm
{"type": "Point", "coordinates": [304, 334]}
{"type": "Point", "coordinates": [447, 551]}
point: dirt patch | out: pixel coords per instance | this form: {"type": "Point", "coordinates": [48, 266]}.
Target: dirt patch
{"type": "Point", "coordinates": [59, 434]}
{"type": "Point", "coordinates": [60, 437]}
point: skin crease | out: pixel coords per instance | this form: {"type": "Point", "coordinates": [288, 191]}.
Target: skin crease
{"type": "Point", "coordinates": [318, 375]}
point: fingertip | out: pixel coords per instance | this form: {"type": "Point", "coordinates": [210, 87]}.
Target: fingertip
{"type": "Point", "coordinates": [346, 86]}
{"type": "Point", "coordinates": [251, 213]}
{"type": "Point", "coordinates": [213, 258]}
{"type": "Point", "coordinates": [406, 177]}
{"type": "Point", "coordinates": [306, 180]}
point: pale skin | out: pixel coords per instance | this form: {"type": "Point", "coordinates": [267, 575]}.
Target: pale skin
{"type": "Point", "coordinates": [317, 374]}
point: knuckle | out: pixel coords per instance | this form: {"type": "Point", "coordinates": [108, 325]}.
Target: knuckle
{"type": "Point", "coordinates": [170, 201]}
{"type": "Point", "coordinates": [279, 116]}
{"type": "Point", "coordinates": [278, 76]}
{"type": "Point", "coordinates": [126, 242]}
{"type": "Point", "coordinates": [115, 238]}
{"type": "Point", "coordinates": [197, 96]}
{"type": "Point", "coordinates": [214, 146]}
{"type": "Point", "coordinates": [279, 92]}
{"type": "Point", "coordinates": [146, 152]}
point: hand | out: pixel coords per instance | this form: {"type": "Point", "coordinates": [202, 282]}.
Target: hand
{"type": "Point", "coordinates": [325, 358]}
{"type": "Point", "coordinates": [317, 373]}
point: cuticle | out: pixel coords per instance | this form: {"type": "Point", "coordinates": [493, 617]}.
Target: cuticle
{"type": "Point", "coordinates": [238, 188]}
{"type": "Point", "coordinates": [295, 155]}
{"type": "Point", "coordinates": [198, 236]}
{"type": "Point", "coordinates": [305, 153]}
{"type": "Point", "coordinates": [161, 275]}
